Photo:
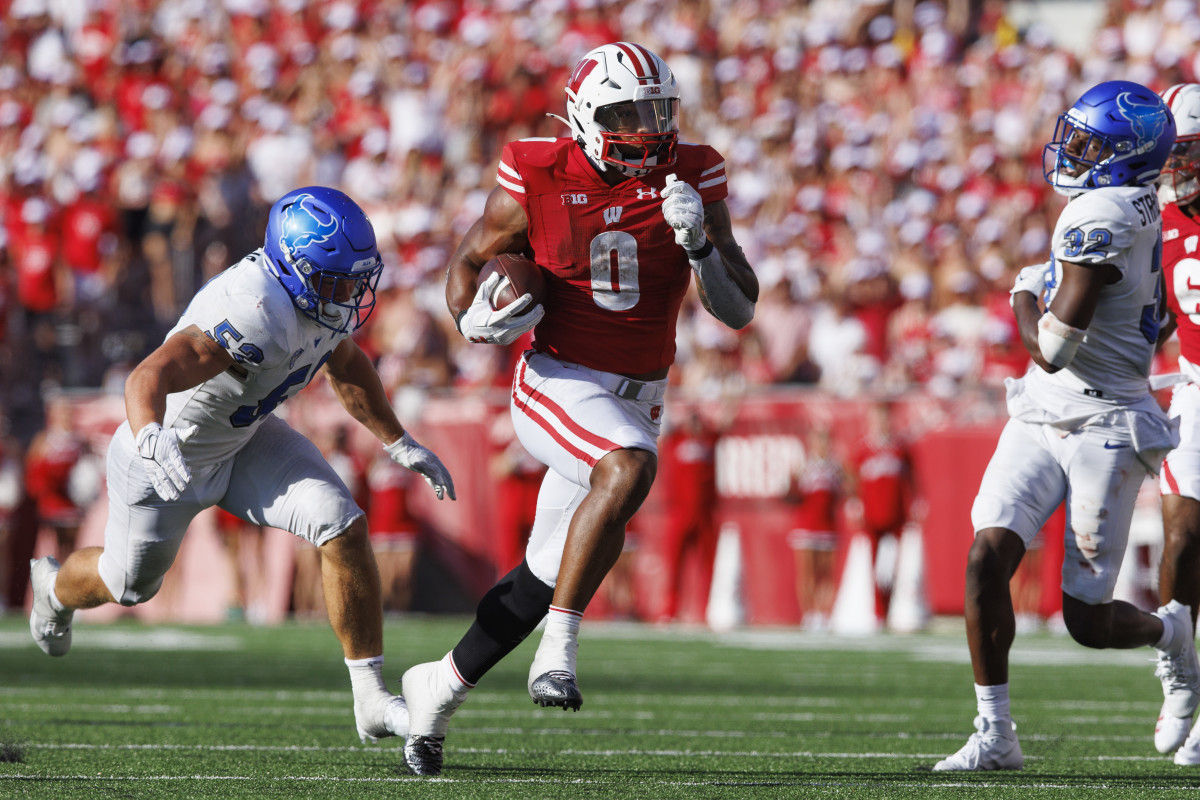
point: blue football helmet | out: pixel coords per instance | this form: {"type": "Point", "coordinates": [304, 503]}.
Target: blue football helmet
{"type": "Point", "coordinates": [1119, 133]}
{"type": "Point", "coordinates": [321, 247]}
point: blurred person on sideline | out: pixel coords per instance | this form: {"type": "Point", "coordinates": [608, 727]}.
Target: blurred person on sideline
{"type": "Point", "coordinates": [689, 462]}
{"type": "Point", "coordinates": [1179, 570]}
{"type": "Point", "coordinates": [53, 455]}
{"type": "Point", "coordinates": [200, 432]}
{"type": "Point", "coordinates": [243, 543]}
{"type": "Point", "coordinates": [1084, 427]}
{"type": "Point", "coordinates": [881, 483]}
{"type": "Point", "coordinates": [619, 215]}
{"type": "Point", "coordinates": [517, 477]}
{"type": "Point", "coordinates": [816, 493]}
{"type": "Point", "coordinates": [394, 530]}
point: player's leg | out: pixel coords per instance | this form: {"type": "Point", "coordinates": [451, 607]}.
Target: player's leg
{"type": "Point", "coordinates": [141, 539]}
{"type": "Point", "coordinates": [572, 420]}
{"type": "Point", "coordinates": [1179, 570]}
{"type": "Point", "coordinates": [280, 479]}
{"type": "Point", "coordinates": [1104, 485]}
{"type": "Point", "coordinates": [506, 615]}
{"type": "Point", "coordinates": [1021, 487]}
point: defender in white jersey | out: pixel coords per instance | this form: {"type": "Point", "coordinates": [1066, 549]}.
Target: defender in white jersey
{"type": "Point", "coordinates": [1179, 572]}
{"type": "Point", "coordinates": [201, 432]}
{"type": "Point", "coordinates": [1084, 427]}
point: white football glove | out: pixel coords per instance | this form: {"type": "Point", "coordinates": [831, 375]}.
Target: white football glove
{"type": "Point", "coordinates": [684, 211]}
{"type": "Point", "coordinates": [407, 453]}
{"type": "Point", "coordinates": [482, 325]}
{"type": "Point", "coordinates": [1031, 279]}
{"type": "Point", "coordinates": [159, 449]}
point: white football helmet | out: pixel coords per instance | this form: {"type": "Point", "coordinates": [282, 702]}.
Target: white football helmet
{"type": "Point", "coordinates": [622, 104]}
{"type": "Point", "coordinates": [1180, 180]}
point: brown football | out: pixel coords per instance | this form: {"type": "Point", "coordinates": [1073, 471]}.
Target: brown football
{"type": "Point", "coordinates": [524, 276]}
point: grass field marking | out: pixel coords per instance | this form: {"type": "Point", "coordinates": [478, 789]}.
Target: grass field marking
{"type": "Point", "coordinates": [766, 781]}
{"type": "Point", "coordinates": [605, 753]}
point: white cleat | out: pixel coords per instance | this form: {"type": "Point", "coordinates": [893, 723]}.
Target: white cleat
{"type": "Point", "coordinates": [1188, 755]}
{"type": "Point", "coordinates": [1179, 671]}
{"type": "Point", "coordinates": [380, 718]}
{"type": "Point", "coordinates": [994, 746]}
{"type": "Point", "coordinates": [431, 703]}
{"type": "Point", "coordinates": [51, 629]}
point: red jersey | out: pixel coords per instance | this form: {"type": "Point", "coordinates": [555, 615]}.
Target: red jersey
{"type": "Point", "coordinates": [1181, 271]}
{"type": "Point", "coordinates": [819, 490]}
{"type": "Point", "coordinates": [388, 511]}
{"type": "Point", "coordinates": [882, 468]}
{"type": "Point", "coordinates": [691, 467]}
{"type": "Point", "coordinates": [48, 473]}
{"type": "Point", "coordinates": [614, 276]}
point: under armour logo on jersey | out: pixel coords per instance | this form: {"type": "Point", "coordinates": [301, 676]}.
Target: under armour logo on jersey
{"type": "Point", "coordinates": [612, 215]}
{"type": "Point", "coordinates": [651, 192]}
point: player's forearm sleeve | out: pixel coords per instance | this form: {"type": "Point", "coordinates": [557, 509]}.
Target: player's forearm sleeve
{"type": "Point", "coordinates": [725, 298]}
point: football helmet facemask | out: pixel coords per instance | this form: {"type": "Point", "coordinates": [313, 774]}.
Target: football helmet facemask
{"type": "Point", "coordinates": [321, 247]}
{"type": "Point", "coordinates": [1119, 133]}
{"type": "Point", "coordinates": [622, 106]}
{"type": "Point", "coordinates": [1179, 182]}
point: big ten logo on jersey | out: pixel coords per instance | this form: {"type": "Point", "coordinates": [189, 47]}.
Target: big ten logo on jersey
{"type": "Point", "coordinates": [574, 199]}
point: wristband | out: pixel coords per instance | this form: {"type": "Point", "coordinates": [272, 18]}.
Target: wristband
{"type": "Point", "coordinates": [702, 253]}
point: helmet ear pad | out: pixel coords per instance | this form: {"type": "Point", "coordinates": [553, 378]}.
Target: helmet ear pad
{"type": "Point", "coordinates": [616, 74]}
{"type": "Point", "coordinates": [321, 247]}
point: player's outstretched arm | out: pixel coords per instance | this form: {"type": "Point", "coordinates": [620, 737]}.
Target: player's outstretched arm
{"type": "Point", "coordinates": [1052, 338]}
{"type": "Point", "coordinates": [360, 391]}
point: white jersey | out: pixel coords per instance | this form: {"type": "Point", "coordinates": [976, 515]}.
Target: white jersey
{"type": "Point", "coordinates": [1120, 226]}
{"type": "Point", "coordinates": [278, 351]}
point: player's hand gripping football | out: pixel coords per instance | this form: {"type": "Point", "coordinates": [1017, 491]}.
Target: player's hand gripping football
{"type": "Point", "coordinates": [483, 324]}
{"type": "Point", "coordinates": [1031, 279]}
{"type": "Point", "coordinates": [684, 211]}
{"type": "Point", "coordinates": [159, 448]}
{"type": "Point", "coordinates": [407, 453]}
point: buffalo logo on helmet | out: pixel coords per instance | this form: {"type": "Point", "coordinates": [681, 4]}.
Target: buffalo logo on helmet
{"type": "Point", "coordinates": [1145, 118]}
{"type": "Point", "coordinates": [296, 224]}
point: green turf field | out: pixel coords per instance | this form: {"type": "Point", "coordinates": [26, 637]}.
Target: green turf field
{"type": "Point", "coordinates": [239, 712]}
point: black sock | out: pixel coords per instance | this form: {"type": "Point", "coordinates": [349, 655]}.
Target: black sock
{"type": "Point", "coordinates": [506, 615]}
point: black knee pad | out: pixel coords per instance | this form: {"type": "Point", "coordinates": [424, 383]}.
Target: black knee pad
{"type": "Point", "coordinates": [506, 615]}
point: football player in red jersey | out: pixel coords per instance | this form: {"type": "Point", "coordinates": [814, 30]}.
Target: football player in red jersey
{"type": "Point", "coordinates": [1179, 572]}
{"type": "Point", "coordinates": [619, 214]}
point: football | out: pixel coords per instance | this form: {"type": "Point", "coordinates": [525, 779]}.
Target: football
{"type": "Point", "coordinates": [524, 276]}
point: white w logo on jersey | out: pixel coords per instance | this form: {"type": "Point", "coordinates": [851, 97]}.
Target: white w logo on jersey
{"type": "Point", "coordinates": [612, 215]}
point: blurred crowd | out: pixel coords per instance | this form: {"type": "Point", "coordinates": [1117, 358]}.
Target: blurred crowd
{"type": "Point", "coordinates": [884, 160]}
{"type": "Point", "coordinates": [885, 163]}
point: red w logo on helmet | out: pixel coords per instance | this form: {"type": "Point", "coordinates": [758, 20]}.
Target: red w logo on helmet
{"type": "Point", "coordinates": [582, 70]}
